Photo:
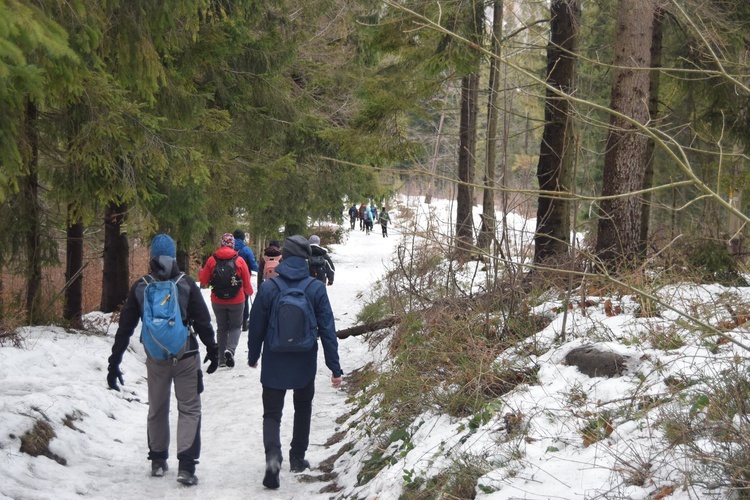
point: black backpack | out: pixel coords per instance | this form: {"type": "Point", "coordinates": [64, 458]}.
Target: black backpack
{"type": "Point", "coordinates": [225, 282]}
{"type": "Point", "coordinates": [317, 265]}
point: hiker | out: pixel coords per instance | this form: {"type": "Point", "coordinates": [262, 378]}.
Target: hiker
{"type": "Point", "coordinates": [362, 210]}
{"type": "Point", "coordinates": [227, 275]}
{"type": "Point", "coordinates": [374, 212]}
{"type": "Point", "coordinates": [384, 220]}
{"type": "Point", "coordinates": [368, 221]}
{"type": "Point", "coordinates": [269, 261]}
{"type": "Point", "coordinates": [320, 263]}
{"type": "Point", "coordinates": [353, 215]}
{"type": "Point", "coordinates": [282, 371]}
{"type": "Point", "coordinates": [183, 367]}
{"type": "Point", "coordinates": [248, 256]}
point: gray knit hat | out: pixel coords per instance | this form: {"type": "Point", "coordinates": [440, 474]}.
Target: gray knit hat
{"type": "Point", "coordinates": [315, 239]}
{"type": "Point", "coordinates": [295, 246]}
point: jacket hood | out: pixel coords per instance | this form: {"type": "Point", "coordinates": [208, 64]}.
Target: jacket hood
{"type": "Point", "coordinates": [317, 249]}
{"type": "Point", "coordinates": [225, 253]}
{"type": "Point", "coordinates": [163, 267]}
{"type": "Point", "coordinates": [272, 251]}
{"type": "Point", "coordinates": [239, 244]}
{"type": "Point", "coordinates": [293, 268]}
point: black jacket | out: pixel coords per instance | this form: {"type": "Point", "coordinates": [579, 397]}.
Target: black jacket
{"type": "Point", "coordinates": [195, 311]}
{"type": "Point", "coordinates": [326, 271]}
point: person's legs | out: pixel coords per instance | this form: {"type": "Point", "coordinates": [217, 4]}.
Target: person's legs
{"type": "Point", "coordinates": [303, 399]}
{"type": "Point", "coordinates": [246, 313]}
{"type": "Point", "coordinates": [222, 325]}
{"type": "Point", "coordinates": [273, 407]}
{"type": "Point", "coordinates": [188, 384]}
{"type": "Point", "coordinates": [159, 377]}
{"type": "Point", "coordinates": [234, 325]}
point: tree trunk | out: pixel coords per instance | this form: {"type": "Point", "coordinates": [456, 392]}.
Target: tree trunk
{"type": "Point", "coordinates": [466, 159]}
{"type": "Point", "coordinates": [183, 259]}
{"type": "Point", "coordinates": [619, 228]}
{"type": "Point", "coordinates": [73, 308]}
{"type": "Point", "coordinates": [32, 214]}
{"type": "Point", "coordinates": [557, 152]}
{"type": "Point", "coordinates": [653, 110]}
{"type": "Point", "coordinates": [116, 259]}
{"type": "Point", "coordinates": [487, 229]}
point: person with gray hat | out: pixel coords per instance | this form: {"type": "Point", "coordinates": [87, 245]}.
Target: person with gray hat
{"type": "Point", "coordinates": [184, 369]}
{"type": "Point", "coordinates": [282, 371]}
{"type": "Point", "coordinates": [321, 265]}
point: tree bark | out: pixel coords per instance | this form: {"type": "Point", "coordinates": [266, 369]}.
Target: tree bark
{"type": "Point", "coordinates": [487, 229]}
{"type": "Point", "coordinates": [116, 259]}
{"type": "Point", "coordinates": [653, 111]}
{"type": "Point", "coordinates": [73, 308]}
{"type": "Point", "coordinates": [619, 227]}
{"type": "Point", "coordinates": [369, 327]}
{"type": "Point", "coordinates": [466, 159]}
{"type": "Point", "coordinates": [557, 152]}
{"type": "Point", "coordinates": [32, 214]}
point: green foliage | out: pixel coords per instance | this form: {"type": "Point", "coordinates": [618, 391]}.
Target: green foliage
{"type": "Point", "coordinates": [712, 263]}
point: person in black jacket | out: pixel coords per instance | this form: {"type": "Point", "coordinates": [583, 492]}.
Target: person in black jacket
{"type": "Point", "coordinates": [185, 370]}
{"type": "Point", "coordinates": [321, 265]}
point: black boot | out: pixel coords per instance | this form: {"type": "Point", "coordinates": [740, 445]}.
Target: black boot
{"type": "Point", "coordinates": [298, 464]}
{"type": "Point", "coordinates": [271, 479]}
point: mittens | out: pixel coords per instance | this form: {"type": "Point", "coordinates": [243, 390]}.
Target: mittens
{"type": "Point", "coordinates": [113, 375]}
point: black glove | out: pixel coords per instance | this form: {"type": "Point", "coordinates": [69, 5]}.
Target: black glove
{"type": "Point", "coordinates": [113, 375]}
{"type": "Point", "coordinates": [213, 356]}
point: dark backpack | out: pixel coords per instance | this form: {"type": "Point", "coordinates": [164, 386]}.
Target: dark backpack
{"type": "Point", "coordinates": [163, 333]}
{"type": "Point", "coordinates": [292, 326]}
{"type": "Point", "coordinates": [317, 264]}
{"type": "Point", "coordinates": [225, 282]}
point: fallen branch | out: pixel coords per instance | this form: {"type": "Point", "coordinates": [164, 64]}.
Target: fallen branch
{"type": "Point", "coordinates": [368, 327]}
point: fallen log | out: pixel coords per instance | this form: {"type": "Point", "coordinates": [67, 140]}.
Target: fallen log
{"type": "Point", "coordinates": [368, 327]}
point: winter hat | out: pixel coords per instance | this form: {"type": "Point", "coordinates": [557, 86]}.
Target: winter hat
{"type": "Point", "coordinates": [296, 246]}
{"type": "Point", "coordinates": [227, 240]}
{"type": "Point", "coordinates": [163, 244]}
{"type": "Point", "coordinates": [315, 239]}
{"type": "Point", "coordinates": [239, 234]}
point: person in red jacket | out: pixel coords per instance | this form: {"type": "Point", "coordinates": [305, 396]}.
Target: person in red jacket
{"type": "Point", "coordinates": [229, 279]}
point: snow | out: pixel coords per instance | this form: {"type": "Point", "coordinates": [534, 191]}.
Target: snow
{"type": "Point", "coordinates": [59, 377]}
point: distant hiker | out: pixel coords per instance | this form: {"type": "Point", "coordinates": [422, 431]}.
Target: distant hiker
{"type": "Point", "coordinates": [320, 263]}
{"type": "Point", "coordinates": [227, 275]}
{"type": "Point", "coordinates": [248, 256]}
{"type": "Point", "coordinates": [368, 221]}
{"type": "Point", "coordinates": [164, 366]}
{"type": "Point", "coordinates": [374, 212]}
{"type": "Point", "coordinates": [362, 210]}
{"type": "Point", "coordinates": [281, 316]}
{"type": "Point", "coordinates": [269, 261]}
{"type": "Point", "coordinates": [353, 215]}
{"type": "Point", "coordinates": [384, 220]}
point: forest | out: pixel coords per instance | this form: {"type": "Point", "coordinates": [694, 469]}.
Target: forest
{"type": "Point", "coordinates": [626, 121]}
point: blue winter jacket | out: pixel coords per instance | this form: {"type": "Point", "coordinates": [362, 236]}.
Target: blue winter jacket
{"type": "Point", "coordinates": [292, 370]}
{"type": "Point", "coordinates": [247, 254]}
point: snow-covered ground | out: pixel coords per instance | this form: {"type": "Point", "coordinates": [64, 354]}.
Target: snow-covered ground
{"type": "Point", "coordinates": [59, 377]}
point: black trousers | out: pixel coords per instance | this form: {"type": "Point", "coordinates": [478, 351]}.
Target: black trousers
{"type": "Point", "coordinates": [273, 406]}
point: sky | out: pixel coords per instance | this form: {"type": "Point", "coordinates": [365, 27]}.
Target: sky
{"type": "Point", "coordinates": [59, 377]}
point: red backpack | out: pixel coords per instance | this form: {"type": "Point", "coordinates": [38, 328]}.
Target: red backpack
{"type": "Point", "coordinates": [269, 266]}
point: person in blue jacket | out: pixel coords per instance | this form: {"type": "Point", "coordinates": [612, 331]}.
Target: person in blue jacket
{"type": "Point", "coordinates": [248, 256]}
{"type": "Point", "coordinates": [290, 370]}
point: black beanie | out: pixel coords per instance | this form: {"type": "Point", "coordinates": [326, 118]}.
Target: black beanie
{"type": "Point", "coordinates": [239, 234]}
{"type": "Point", "coordinates": [296, 246]}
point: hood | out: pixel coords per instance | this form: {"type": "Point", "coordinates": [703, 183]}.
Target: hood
{"type": "Point", "coordinates": [317, 249]}
{"type": "Point", "coordinates": [163, 267]}
{"type": "Point", "coordinates": [293, 268]}
{"type": "Point", "coordinates": [239, 244]}
{"type": "Point", "coordinates": [272, 251]}
{"type": "Point", "coordinates": [225, 253]}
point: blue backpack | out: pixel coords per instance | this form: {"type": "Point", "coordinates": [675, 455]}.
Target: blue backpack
{"type": "Point", "coordinates": [163, 333]}
{"type": "Point", "coordinates": [292, 326]}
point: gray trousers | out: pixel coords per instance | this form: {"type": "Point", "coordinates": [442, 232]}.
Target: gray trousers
{"type": "Point", "coordinates": [188, 384]}
{"type": "Point", "coordinates": [228, 326]}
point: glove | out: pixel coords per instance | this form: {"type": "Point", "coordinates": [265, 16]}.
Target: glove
{"type": "Point", "coordinates": [113, 375]}
{"type": "Point", "coordinates": [213, 356]}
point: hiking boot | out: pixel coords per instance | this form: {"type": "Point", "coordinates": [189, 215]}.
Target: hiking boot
{"type": "Point", "coordinates": [159, 467]}
{"type": "Point", "coordinates": [229, 357]}
{"type": "Point", "coordinates": [187, 478]}
{"type": "Point", "coordinates": [298, 464]}
{"type": "Point", "coordinates": [271, 479]}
